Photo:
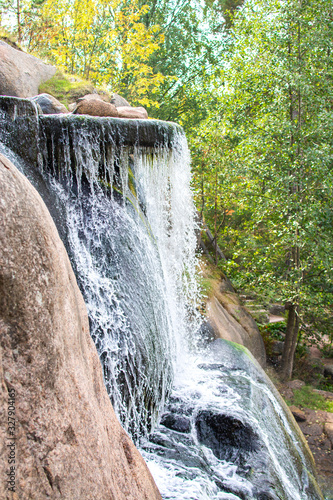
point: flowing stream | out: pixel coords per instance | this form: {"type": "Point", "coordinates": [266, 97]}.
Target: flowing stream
{"type": "Point", "coordinates": [204, 415]}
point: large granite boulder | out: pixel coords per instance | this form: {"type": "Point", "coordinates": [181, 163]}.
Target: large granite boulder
{"type": "Point", "coordinates": [95, 107]}
{"type": "Point", "coordinates": [20, 73]}
{"type": "Point", "coordinates": [130, 112]}
{"type": "Point", "coordinates": [117, 100]}
{"type": "Point", "coordinates": [101, 96]}
{"type": "Point", "coordinates": [56, 420]}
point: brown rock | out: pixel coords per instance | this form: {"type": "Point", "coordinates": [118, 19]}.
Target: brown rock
{"type": "Point", "coordinates": [91, 97]}
{"type": "Point", "coordinates": [324, 444]}
{"type": "Point", "coordinates": [20, 73]}
{"type": "Point", "coordinates": [314, 430]}
{"type": "Point", "coordinates": [129, 112]}
{"type": "Point", "coordinates": [311, 415]}
{"type": "Point", "coordinates": [329, 431]}
{"type": "Point", "coordinates": [298, 414]}
{"type": "Point", "coordinates": [295, 384]}
{"type": "Point", "coordinates": [321, 448]}
{"type": "Point", "coordinates": [226, 285]}
{"type": "Point", "coordinates": [95, 107]}
{"type": "Point", "coordinates": [100, 95]}
{"type": "Point", "coordinates": [313, 442]}
{"type": "Point", "coordinates": [104, 95]}
{"type": "Point", "coordinates": [71, 107]}
{"type": "Point", "coordinates": [326, 394]}
{"type": "Point", "coordinates": [117, 100]}
{"type": "Point", "coordinates": [69, 444]}
{"type": "Point", "coordinates": [231, 321]}
{"type": "Point", "coordinates": [329, 417]}
{"type": "Point", "coordinates": [287, 393]}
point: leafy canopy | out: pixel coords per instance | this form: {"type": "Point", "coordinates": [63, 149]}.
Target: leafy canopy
{"type": "Point", "coordinates": [275, 153]}
{"type": "Point", "coordinates": [104, 41]}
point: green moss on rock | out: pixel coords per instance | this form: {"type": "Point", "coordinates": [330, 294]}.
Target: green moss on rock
{"type": "Point", "coordinates": [68, 88]}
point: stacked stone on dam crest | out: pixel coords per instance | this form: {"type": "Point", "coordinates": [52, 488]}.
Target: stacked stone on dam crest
{"type": "Point", "coordinates": [68, 442]}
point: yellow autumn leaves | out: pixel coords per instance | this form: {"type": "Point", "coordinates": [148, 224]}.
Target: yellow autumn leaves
{"type": "Point", "coordinates": [101, 40]}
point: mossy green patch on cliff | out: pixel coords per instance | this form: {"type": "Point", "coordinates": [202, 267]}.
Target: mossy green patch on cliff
{"type": "Point", "coordinates": [239, 347]}
{"type": "Point", "coordinates": [209, 277]}
{"type": "Point", "coordinates": [66, 88]}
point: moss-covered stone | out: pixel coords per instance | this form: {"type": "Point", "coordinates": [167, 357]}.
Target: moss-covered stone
{"type": "Point", "coordinates": [69, 88]}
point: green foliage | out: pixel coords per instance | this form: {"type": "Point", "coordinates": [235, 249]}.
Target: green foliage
{"type": "Point", "coordinates": [274, 330]}
{"type": "Point", "coordinates": [263, 162]}
{"type": "Point", "coordinates": [191, 55]}
{"type": "Point", "coordinates": [252, 86]}
{"type": "Point", "coordinates": [327, 351]}
{"type": "Point", "coordinates": [223, 9]}
{"type": "Point", "coordinates": [9, 38]}
{"type": "Point", "coordinates": [162, 55]}
{"type": "Point", "coordinates": [100, 40]}
{"type": "Point", "coordinates": [305, 397]}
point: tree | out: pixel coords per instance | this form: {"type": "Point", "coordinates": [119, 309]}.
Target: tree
{"type": "Point", "coordinates": [213, 184]}
{"type": "Point", "coordinates": [101, 40]}
{"type": "Point", "coordinates": [190, 56]}
{"type": "Point", "coordinates": [19, 13]}
{"type": "Point", "coordinates": [276, 108]}
{"type": "Point", "coordinates": [223, 12]}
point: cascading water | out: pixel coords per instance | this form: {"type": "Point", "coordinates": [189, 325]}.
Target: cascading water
{"type": "Point", "coordinates": [131, 239]}
{"type": "Point", "coordinates": [122, 188]}
{"type": "Point", "coordinates": [226, 434]}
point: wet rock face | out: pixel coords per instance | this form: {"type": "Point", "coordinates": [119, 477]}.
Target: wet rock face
{"type": "Point", "coordinates": [231, 321]}
{"type": "Point", "coordinates": [176, 422]}
{"type": "Point", "coordinates": [242, 440]}
{"type": "Point", "coordinates": [19, 127]}
{"type": "Point", "coordinates": [27, 134]}
{"type": "Point", "coordinates": [225, 435]}
{"type": "Point", "coordinates": [68, 442]}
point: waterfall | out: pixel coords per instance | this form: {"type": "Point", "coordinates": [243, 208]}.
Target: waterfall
{"type": "Point", "coordinates": [207, 419]}
{"type": "Point", "coordinates": [129, 215]}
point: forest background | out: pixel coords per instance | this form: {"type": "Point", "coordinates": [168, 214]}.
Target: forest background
{"type": "Point", "coordinates": [252, 84]}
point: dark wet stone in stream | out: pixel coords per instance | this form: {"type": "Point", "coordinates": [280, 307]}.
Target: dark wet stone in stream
{"type": "Point", "coordinates": [227, 437]}
{"type": "Point", "coordinates": [176, 423]}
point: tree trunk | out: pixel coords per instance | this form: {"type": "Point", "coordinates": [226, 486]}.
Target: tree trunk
{"type": "Point", "coordinates": [290, 342]}
{"type": "Point", "coordinates": [215, 218]}
{"type": "Point", "coordinates": [18, 18]}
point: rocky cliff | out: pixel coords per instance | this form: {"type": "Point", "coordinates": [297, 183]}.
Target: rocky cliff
{"type": "Point", "coordinates": [59, 436]}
